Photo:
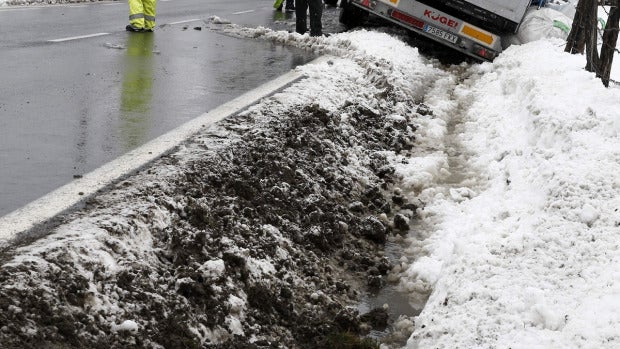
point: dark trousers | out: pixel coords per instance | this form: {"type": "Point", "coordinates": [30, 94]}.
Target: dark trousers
{"type": "Point", "coordinates": [316, 11]}
{"type": "Point", "coordinates": [290, 5]}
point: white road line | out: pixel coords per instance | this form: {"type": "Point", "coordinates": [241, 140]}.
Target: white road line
{"type": "Point", "coordinates": [242, 12]}
{"type": "Point", "coordinates": [78, 37]}
{"type": "Point", "coordinates": [186, 21]}
{"type": "Point", "coordinates": [69, 195]}
{"type": "Point", "coordinates": [28, 8]}
{"type": "Point", "coordinates": [20, 9]}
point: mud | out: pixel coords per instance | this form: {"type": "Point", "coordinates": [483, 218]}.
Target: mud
{"type": "Point", "coordinates": [266, 237]}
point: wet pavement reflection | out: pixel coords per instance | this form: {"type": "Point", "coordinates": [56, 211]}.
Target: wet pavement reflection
{"type": "Point", "coordinates": [136, 91]}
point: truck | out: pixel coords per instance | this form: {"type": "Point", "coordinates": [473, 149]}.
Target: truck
{"type": "Point", "coordinates": [473, 27]}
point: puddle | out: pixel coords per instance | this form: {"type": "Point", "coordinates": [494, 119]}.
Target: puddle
{"type": "Point", "coordinates": [396, 300]}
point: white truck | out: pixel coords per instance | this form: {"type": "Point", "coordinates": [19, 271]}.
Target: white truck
{"type": "Point", "coordinates": [474, 27]}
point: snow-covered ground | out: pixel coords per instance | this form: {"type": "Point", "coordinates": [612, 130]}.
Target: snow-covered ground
{"type": "Point", "coordinates": [515, 172]}
{"type": "Point", "coordinates": [522, 250]}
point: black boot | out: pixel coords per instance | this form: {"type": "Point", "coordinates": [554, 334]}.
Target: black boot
{"type": "Point", "coordinates": [131, 28]}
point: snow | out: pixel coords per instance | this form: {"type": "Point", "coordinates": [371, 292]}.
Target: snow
{"type": "Point", "coordinates": [234, 325]}
{"type": "Point", "coordinates": [517, 168]}
{"type": "Point", "coordinates": [126, 326]}
{"type": "Point", "coordinates": [527, 258]}
{"type": "Point", "coordinates": [542, 23]}
{"type": "Point", "coordinates": [213, 269]}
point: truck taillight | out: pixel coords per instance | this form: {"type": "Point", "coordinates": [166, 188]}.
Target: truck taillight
{"type": "Point", "coordinates": [403, 17]}
{"type": "Point", "coordinates": [484, 52]}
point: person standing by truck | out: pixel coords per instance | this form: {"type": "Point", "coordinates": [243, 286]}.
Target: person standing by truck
{"type": "Point", "coordinates": [316, 12]}
{"type": "Point", "coordinates": [290, 6]}
{"type": "Point", "coordinates": [141, 16]}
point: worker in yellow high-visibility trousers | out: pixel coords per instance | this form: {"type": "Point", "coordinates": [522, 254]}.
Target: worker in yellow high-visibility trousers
{"type": "Point", "coordinates": [141, 15]}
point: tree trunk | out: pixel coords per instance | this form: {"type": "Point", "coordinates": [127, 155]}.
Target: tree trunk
{"type": "Point", "coordinates": [590, 20]}
{"type": "Point", "coordinates": [576, 41]}
{"type": "Point", "coordinates": [610, 38]}
{"type": "Point", "coordinates": [584, 34]}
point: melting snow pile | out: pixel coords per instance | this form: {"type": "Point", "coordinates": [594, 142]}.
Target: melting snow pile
{"type": "Point", "coordinates": [264, 229]}
{"type": "Point", "coordinates": [514, 172]}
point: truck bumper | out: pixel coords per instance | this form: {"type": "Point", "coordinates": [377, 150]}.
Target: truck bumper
{"type": "Point", "coordinates": [436, 25]}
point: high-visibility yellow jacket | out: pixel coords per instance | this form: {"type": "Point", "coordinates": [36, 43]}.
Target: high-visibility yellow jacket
{"type": "Point", "coordinates": [142, 14]}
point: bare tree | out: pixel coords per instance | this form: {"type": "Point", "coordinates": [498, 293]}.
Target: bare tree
{"type": "Point", "coordinates": [576, 41]}
{"type": "Point", "coordinates": [610, 38]}
{"type": "Point", "coordinates": [584, 35]}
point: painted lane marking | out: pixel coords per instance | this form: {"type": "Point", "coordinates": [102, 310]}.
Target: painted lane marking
{"type": "Point", "coordinates": [101, 34]}
{"type": "Point", "coordinates": [186, 21]}
{"type": "Point", "coordinates": [28, 8]}
{"type": "Point", "coordinates": [242, 12]}
{"type": "Point", "coordinates": [20, 9]}
{"type": "Point", "coordinates": [70, 195]}
{"type": "Point", "coordinates": [78, 37]}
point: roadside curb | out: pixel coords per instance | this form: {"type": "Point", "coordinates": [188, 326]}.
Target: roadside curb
{"type": "Point", "coordinates": [65, 198]}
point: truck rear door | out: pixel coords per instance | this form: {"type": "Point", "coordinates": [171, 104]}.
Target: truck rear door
{"type": "Point", "coordinates": [498, 16]}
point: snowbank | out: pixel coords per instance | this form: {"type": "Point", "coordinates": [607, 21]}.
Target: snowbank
{"type": "Point", "coordinates": [531, 260]}
{"type": "Point", "coordinates": [542, 23]}
{"type": "Point", "coordinates": [264, 228]}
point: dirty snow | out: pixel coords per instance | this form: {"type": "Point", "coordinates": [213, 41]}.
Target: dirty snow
{"type": "Point", "coordinates": [515, 176]}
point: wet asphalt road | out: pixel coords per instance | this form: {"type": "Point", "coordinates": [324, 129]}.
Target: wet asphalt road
{"type": "Point", "coordinates": [69, 106]}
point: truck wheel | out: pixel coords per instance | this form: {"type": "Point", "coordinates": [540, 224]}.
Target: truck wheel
{"type": "Point", "coordinates": [352, 16]}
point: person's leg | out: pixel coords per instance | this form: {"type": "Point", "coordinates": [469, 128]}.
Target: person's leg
{"type": "Point", "coordinates": [136, 15]}
{"type": "Point", "coordinates": [301, 25]}
{"type": "Point", "coordinates": [149, 14]}
{"type": "Point", "coordinates": [316, 12]}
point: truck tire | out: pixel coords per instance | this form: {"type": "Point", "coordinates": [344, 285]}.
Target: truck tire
{"type": "Point", "coordinates": [352, 16]}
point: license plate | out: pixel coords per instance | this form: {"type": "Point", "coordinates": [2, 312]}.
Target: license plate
{"type": "Point", "coordinates": [440, 33]}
